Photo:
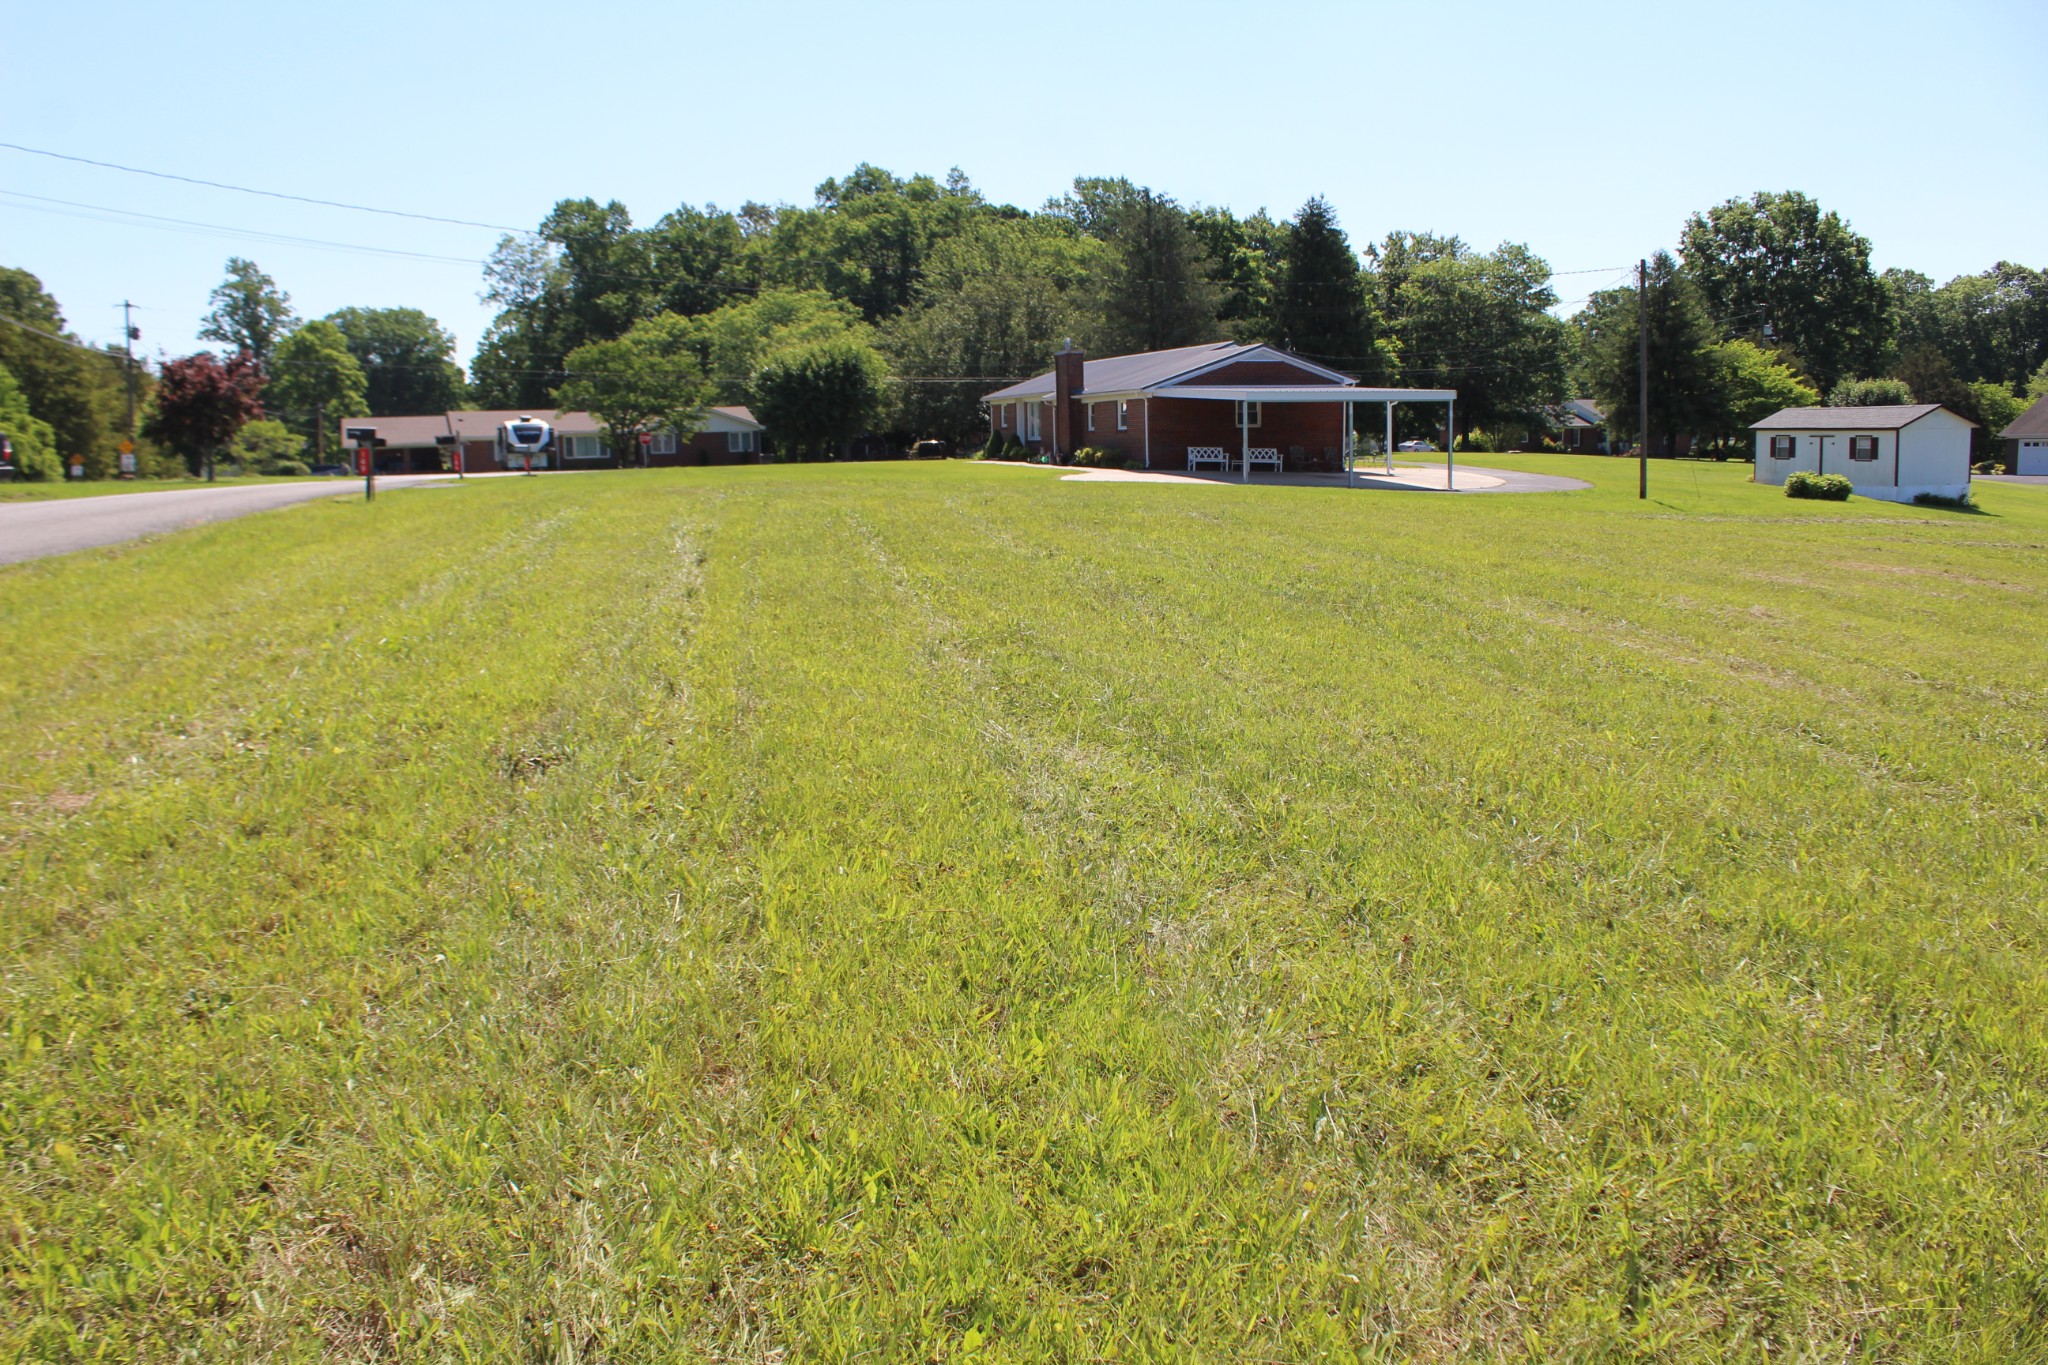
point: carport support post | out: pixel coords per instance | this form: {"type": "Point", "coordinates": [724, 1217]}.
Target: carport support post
{"type": "Point", "coordinates": [1349, 452]}
{"type": "Point", "coordinates": [1387, 451]}
{"type": "Point", "coordinates": [1244, 441]}
{"type": "Point", "coordinates": [1450, 445]}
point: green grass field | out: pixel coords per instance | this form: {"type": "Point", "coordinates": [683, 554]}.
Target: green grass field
{"type": "Point", "coordinates": [940, 913]}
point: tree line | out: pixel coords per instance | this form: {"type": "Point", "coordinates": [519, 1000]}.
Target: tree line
{"type": "Point", "coordinates": [890, 304]}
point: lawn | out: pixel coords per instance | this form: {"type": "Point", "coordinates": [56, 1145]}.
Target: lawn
{"type": "Point", "coordinates": [14, 491]}
{"type": "Point", "coordinates": [941, 913]}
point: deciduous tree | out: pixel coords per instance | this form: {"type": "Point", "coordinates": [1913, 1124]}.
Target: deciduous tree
{"type": "Point", "coordinates": [77, 392]}
{"type": "Point", "coordinates": [1777, 259]}
{"type": "Point", "coordinates": [1481, 324]}
{"type": "Point", "coordinates": [250, 314]}
{"type": "Point", "coordinates": [201, 404]}
{"type": "Point", "coordinates": [314, 380]}
{"type": "Point", "coordinates": [818, 397]}
{"type": "Point", "coordinates": [993, 305]}
{"type": "Point", "coordinates": [33, 440]}
{"type": "Point", "coordinates": [407, 360]}
{"type": "Point", "coordinates": [648, 380]}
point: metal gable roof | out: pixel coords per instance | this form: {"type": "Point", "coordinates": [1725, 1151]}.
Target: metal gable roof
{"type": "Point", "coordinates": [1879, 417]}
{"type": "Point", "coordinates": [1153, 369]}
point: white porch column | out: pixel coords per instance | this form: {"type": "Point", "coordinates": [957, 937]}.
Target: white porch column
{"type": "Point", "coordinates": [1349, 448]}
{"type": "Point", "coordinates": [1387, 451]}
{"type": "Point", "coordinates": [1450, 445]}
{"type": "Point", "coordinates": [1244, 441]}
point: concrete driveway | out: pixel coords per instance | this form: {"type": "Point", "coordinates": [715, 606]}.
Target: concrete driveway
{"type": "Point", "coordinates": [31, 530]}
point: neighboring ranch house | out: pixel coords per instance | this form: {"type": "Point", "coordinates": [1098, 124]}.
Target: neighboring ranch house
{"type": "Point", "coordinates": [1895, 452]}
{"type": "Point", "coordinates": [725, 435]}
{"type": "Point", "coordinates": [1581, 426]}
{"type": "Point", "coordinates": [1223, 403]}
{"type": "Point", "coordinates": [2026, 440]}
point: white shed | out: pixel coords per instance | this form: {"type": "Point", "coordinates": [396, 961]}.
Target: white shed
{"type": "Point", "coordinates": [1895, 452]}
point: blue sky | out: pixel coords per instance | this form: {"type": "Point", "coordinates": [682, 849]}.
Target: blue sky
{"type": "Point", "coordinates": [1588, 131]}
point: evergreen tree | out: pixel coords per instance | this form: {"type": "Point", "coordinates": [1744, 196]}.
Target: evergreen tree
{"type": "Point", "coordinates": [1686, 394]}
{"type": "Point", "coordinates": [1319, 309]}
{"type": "Point", "coordinates": [1156, 292]}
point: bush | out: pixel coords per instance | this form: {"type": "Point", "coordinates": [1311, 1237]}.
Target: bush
{"type": "Point", "coordinates": [1988, 467]}
{"type": "Point", "coordinates": [294, 468]}
{"type": "Point", "coordinates": [1090, 457]}
{"type": "Point", "coordinates": [1482, 442]}
{"type": "Point", "coordinates": [1962, 504]}
{"type": "Point", "coordinates": [1826, 487]}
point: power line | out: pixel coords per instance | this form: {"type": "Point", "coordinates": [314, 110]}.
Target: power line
{"type": "Point", "coordinates": [220, 229]}
{"type": "Point", "coordinates": [267, 194]}
{"type": "Point", "coordinates": [68, 341]}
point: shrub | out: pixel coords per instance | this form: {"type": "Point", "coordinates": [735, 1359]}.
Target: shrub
{"type": "Point", "coordinates": [295, 468]}
{"type": "Point", "coordinates": [1483, 442]}
{"type": "Point", "coordinates": [1091, 457]}
{"type": "Point", "coordinates": [1826, 487]}
{"type": "Point", "coordinates": [1988, 467]}
{"type": "Point", "coordinates": [1962, 504]}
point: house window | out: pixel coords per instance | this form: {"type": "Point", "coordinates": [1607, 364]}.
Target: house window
{"type": "Point", "coordinates": [1123, 415]}
{"type": "Point", "coordinates": [1091, 417]}
{"type": "Point", "coordinates": [739, 442]}
{"type": "Point", "coordinates": [1248, 414]}
{"type": "Point", "coordinates": [1003, 415]}
{"type": "Point", "coordinates": [664, 443]}
{"type": "Point", "coordinates": [1862, 447]}
{"type": "Point", "coordinates": [1784, 447]}
{"type": "Point", "coordinates": [584, 448]}
{"type": "Point", "coordinates": [1030, 415]}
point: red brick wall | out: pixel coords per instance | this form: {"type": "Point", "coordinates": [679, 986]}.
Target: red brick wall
{"type": "Point", "coordinates": [1106, 437]}
{"type": "Point", "coordinates": [1183, 422]}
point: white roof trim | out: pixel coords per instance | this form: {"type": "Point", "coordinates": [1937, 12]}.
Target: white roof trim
{"type": "Point", "coordinates": [1305, 393]}
{"type": "Point", "coordinates": [1256, 353]}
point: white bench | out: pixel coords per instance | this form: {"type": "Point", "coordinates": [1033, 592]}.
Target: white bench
{"type": "Point", "coordinates": [1264, 455]}
{"type": "Point", "coordinates": [1201, 455]}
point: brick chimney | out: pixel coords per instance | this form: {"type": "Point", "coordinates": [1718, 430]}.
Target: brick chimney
{"type": "Point", "coordinates": [1067, 420]}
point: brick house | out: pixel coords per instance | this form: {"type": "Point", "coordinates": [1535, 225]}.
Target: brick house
{"type": "Point", "coordinates": [423, 444]}
{"type": "Point", "coordinates": [1232, 404]}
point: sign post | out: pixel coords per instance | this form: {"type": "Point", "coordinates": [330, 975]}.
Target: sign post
{"type": "Point", "coordinates": [646, 444]}
{"type": "Point", "coordinates": [127, 449]}
{"type": "Point", "coordinates": [454, 448]}
{"type": "Point", "coordinates": [365, 439]}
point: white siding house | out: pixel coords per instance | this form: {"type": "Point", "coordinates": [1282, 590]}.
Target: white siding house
{"type": "Point", "coordinates": [1895, 452]}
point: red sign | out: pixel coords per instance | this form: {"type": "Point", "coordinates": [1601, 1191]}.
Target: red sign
{"type": "Point", "coordinates": [646, 438]}
{"type": "Point", "coordinates": [458, 459]}
{"type": "Point", "coordinates": [363, 461]}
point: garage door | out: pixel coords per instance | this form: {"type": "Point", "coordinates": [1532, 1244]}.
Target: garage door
{"type": "Point", "coordinates": [2033, 457]}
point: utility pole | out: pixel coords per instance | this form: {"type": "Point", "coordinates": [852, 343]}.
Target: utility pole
{"type": "Point", "coordinates": [1643, 378]}
{"type": "Point", "coordinates": [128, 335]}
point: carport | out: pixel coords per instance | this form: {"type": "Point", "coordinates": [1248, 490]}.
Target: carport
{"type": "Point", "coordinates": [1347, 396]}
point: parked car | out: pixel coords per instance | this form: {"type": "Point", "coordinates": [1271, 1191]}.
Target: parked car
{"type": "Point", "coordinates": [1416, 447]}
{"type": "Point", "coordinates": [329, 469]}
{"type": "Point", "coordinates": [930, 450]}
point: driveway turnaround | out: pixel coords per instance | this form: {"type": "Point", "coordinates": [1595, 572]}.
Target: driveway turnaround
{"type": "Point", "coordinates": [31, 530]}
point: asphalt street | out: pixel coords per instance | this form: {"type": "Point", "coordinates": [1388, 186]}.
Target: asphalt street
{"type": "Point", "coordinates": [33, 529]}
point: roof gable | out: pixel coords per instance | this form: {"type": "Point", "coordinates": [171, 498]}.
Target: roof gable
{"type": "Point", "coordinates": [1158, 369]}
{"type": "Point", "coordinates": [2031, 425]}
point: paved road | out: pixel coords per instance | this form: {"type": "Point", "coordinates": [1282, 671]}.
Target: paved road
{"type": "Point", "coordinates": [2035, 480]}
{"type": "Point", "coordinates": [32, 529]}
